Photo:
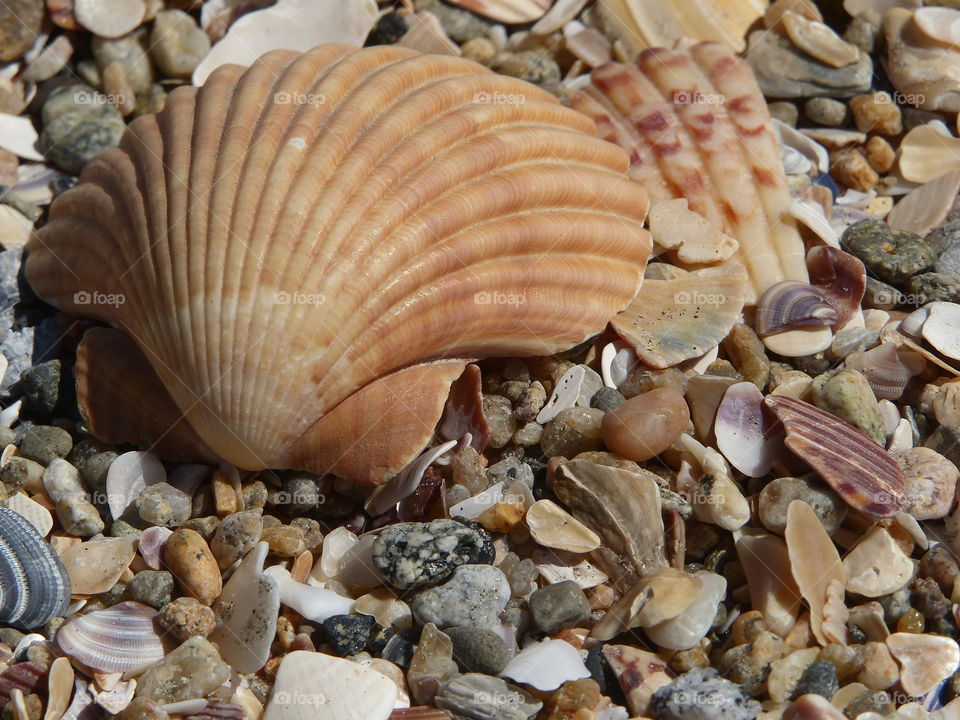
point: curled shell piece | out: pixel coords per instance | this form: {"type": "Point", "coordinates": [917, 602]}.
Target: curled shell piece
{"type": "Point", "coordinates": [790, 304]}
{"type": "Point", "coordinates": [696, 126]}
{"type": "Point", "coordinates": [402, 198]}
{"type": "Point", "coordinates": [122, 638]}
{"type": "Point", "coordinates": [546, 665]}
{"type": "Point", "coordinates": [686, 629]}
{"type": "Point", "coordinates": [887, 369]}
{"type": "Point", "coordinates": [926, 154]}
{"type": "Point", "coordinates": [840, 278]}
{"type": "Point", "coordinates": [861, 472]}
{"type": "Point", "coordinates": [511, 12]}
{"type": "Point", "coordinates": [747, 433]}
{"type": "Point", "coordinates": [670, 321]}
{"type": "Point", "coordinates": [34, 585]}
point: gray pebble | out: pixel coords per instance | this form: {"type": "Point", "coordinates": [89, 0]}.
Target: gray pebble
{"type": "Point", "coordinates": [573, 431]}
{"type": "Point", "coordinates": [151, 587]}
{"type": "Point", "coordinates": [946, 441]}
{"type": "Point", "coordinates": [785, 112]}
{"type": "Point", "coordinates": [557, 606]}
{"type": "Point", "coordinates": [191, 671]}
{"type": "Point", "coordinates": [162, 504]}
{"type": "Point", "coordinates": [891, 255]}
{"type": "Point", "coordinates": [131, 52]}
{"type": "Point", "coordinates": [895, 604]}
{"type": "Point", "coordinates": [777, 495]}
{"type": "Point", "coordinates": [478, 650]}
{"type": "Point", "coordinates": [236, 536]}
{"type": "Point", "coordinates": [473, 696]}
{"type": "Point", "coordinates": [531, 65]}
{"type": "Point", "coordinates": [41, 389]}
{"type": "Point", "coordinates": [411, 555]}
{"type": "Point", "coordinates": [700, 695]}
{"type": "Point", "coordinates": [508, 470]}
{"type": "Point", "coordinates": [848, 395]}
{"type": "Point", "coordinates": [818, 678]}
{"type": "Point", "coordinates": [72, 140]}
{"type": "Point", "coordinates": [498, 412]}
{"type": "Point", "coordinates": [931, 286]}
{"type": "Point", "coordinates": [826, 112]}
{"type": "Point", "coordinates": [863, 33]}
{"type": "Point", "coordinates": [44, 443]}
{"type": "Point", "coordinates": [78, 517]}
{"type": "Point", "coordinates": [299, 494]}
{"type": "Point", "coordinates": [475, 596]}
{"type": "Point", "coordinates": [606, 399]}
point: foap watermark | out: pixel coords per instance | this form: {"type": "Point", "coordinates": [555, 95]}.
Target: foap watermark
{"type": "Point", "coordinates": [299, 698]}
{"type": "Point", "coordinates": [283, 497]}
{"type": "Point", "coordinates": [695, 97]}
{"type": "Point", "coordinates": [695, 297]}
{"type": "Point", "coordinates": [83, 297]}
{"type": "Point", "coordinates": [893, 296]}
{"type": "Point", "coordinates": [285, 97]}
{"type": "Point", "coordinates": [85, 97]}
{"type": "Point", "coordinates": [899, 98]}
{"type": "Point", "coordinates": [298, 298]}
{"type": "Point", "coordinates": [499, 298]}
{"type": "Point", "coordinates": [499, 98]}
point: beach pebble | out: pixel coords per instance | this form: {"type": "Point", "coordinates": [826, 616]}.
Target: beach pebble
{"type": "Point", "coordinates": [930, 286]}
{"type": "Point", "coordinates": [20, 23]}
{"type": "Point", "coordinates": [75, 135]}
{"type": "Point", "coordinates": [188, 557]}
{"type": "Point", "coordinates": [891, 255]}
{"type": "Point", "coordinates": [430, 665]}
{"type": "Point", "coordinates": [177, 43]}
{"type": "Point", "coordinates": [348, 634]}
{"type": "Point", "coordinates": [850, 168]}
{"type": "Point", "coordinates": [533, 66]}
{"type": "Point", "coordinates": [825, 111]}
{"type": "Point", "coordinates": [700, 695]}
{"type": "Point", "coordinates": [572, 431]}
{"type": "Point", "coordinates": [473, 696]}
{"type": "Point", "coordinates": [819, 678]}
{"type": "Point", "coordinates": [186, 617]}
{"type": "Point", "coordinates": [191, 671]}
{"type": "Point", "coordinates": [235, 536]}
{"type": "Point", "coordinates": [162, 504]}
{"type": "Point", "coordinates": [647, 424]}
{"type": "Point", "coordinates": [151, 587]}
{"type": "Point", "coordinates": [61, 480]}
{"type": "Point", "coordinates": [478, 650]}
{"type": "Point", "coordinates": [928, 599]}
{"type": "Point", "coordinates": [557, 606]}
{"type": "Point", "coordinates": [607, 399]}
{"type": "Point", "coordinates": [411, 555]}
{"type": "Point", "coordinates": [785, 112]}
{"type": "Point", "coordinates": [129, 53]}
{"type": "Point", "coordinates": [930, 482]}
{"type": "Point", "coordinates": [879, 670]}
{"type": "Point", "coordinates": [848, 395]}
{"type": "Point", "coordinates": [78, 517]}
{"type": "Point", "coordinates": [45, 443]}
{"type": "Point", "coordinates": [776, 496]}
{"type": "Point", "coordinates": [879, 154]}
{"type": "Point", "coordinates": [876, 113]}
{"type": "Point", "coordinates": [939, 564]}
{"type": "Point", "coordinates": [110, 18]}
{"type": "Point", "coordinates": [498, 412]}
{"type": "Point", "coordinates": [41, 387]}
{"type": "Point", "coordinates": [475, 596]}
{"type": "Point", "coordinates": [94, 566]}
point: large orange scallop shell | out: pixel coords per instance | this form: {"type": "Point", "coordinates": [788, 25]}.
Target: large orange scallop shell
{"type": "Point", "coordinates": [309, 251]}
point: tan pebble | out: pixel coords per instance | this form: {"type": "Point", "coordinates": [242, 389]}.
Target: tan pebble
{"type": "Point", "coordinates": [188, 557]}
{"type": "Point", "coordinates": [912, 621]}
{"type": "Point", "coordinates": [850, 168]}
{"type": "Point", "coordinates": [876, 113]}
{"type": "Point", "coordinates": [285, 632]}
{"type": "Point", "coordinates": [502, 517]}
{"type": "Point", "coordinates": [284, 540]}
{"type": "Point", "coordinates": [386, 608]}
{"type": "Point", "coordinates": [747, 627]}
{"type": "Point", "coordinates": [302, 565]}
{"type": "Point", "coordinates": [880, 670]}
{"type": "Point", "coordinates": [812, 707]}
{"type": "Point", "coordinates": [117, 88]}
{"type": "Point", "coordinates": [786, 671]}
{"type": "Point", "coordinates": [748, 354]}
{"type": "Point", "coordinates": [844, 657]}
{"type": "Point", "coordinates": [479, 50]}
{"type": "Point", "coordinates": [880, 154]}
{"type": "Point", "coordinates": [602, 597]}
{"type": "Point", "coordinates": [880, 206]}
{"type": "Point", "coordinates": [224, 497]}
{"type": "Point", "coordinates": [930, 482]}
{"type": "Point", "coordinates": [946, 403]}
{"type": "Point", "coordinates": [646, 425]}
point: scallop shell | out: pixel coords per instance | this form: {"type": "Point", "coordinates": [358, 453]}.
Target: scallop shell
{"type": "Point", "coordinates": [34, 585]}
{"type": "Point", "coordinates": [887, 370]}
{"type": "Point", "coordinates": [298, 246]}
{"type": "Point", "coordinates": [121, 638]}
{"type": "Point", "coordinates": [696, 126]}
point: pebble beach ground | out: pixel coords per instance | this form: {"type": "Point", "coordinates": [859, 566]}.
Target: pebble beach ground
{"type": "Point", "coordinates": [728, 505]}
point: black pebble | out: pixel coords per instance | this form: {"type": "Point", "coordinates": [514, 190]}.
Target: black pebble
{"type": "Point", "coordinates": [348, 634]}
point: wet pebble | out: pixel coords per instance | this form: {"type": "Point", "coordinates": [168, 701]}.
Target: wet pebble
{"type": "Point", "coordinates": [557, 606]}
{"type": "Point", "coordinates": [177, 43]}
{"type": "Point", "coordinates": [411, 555]}
{"type": "Point", "coordinates": [891, 255]}
{"type": "Point", "coordinates": [162, 504]}
{"type": "Point", "coordinates": [151, 587]}
{"type": "Point", "coordinates": [186, 617]}
{"type": "Point", "coordinates": [475, 596]}
{"type": "Point", "coordinates": [848, 395]}
{"type": "Point", "coordinates": [478, 650]}
{"type": "Point", "coordinates": [572, 431]}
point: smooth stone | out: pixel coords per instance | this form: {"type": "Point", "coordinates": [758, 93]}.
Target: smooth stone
{"type": "Point", "coordinates": [20, 24]}
{"type": "Point", "coordinates": [606, 399]}
{"type": "Point", "coordinates": [348, 634]}
{"type": "Point", "coordinates": [71, 140]}
{"type": "Point", "coordinates": [558, 606]}
{"type": "Point", "coordinates": [78, 517]}
{"type": "Point", "coordinates": [478, 650]}
{"type": "Point", "coordinates": [193, 670]}
{"type": "Point", "coordinates": [235, 536]}
{"type": "Point", "coordinates": [848, 395]}
{"type": "Point", "coordinates": [784, 71]}
{"type": "Point", "coordinates": [187, 555]}
{"type": "Point", "coordinates": [45, 443]}
{"type": "Point", "coordinates": [930, 483]}
{"type": "Point", "coordinates": [151, 587]}
{"type": "Point", "coordinates": [311, 685]}
{"type": "Point", "coordinates": [177, 43]}
{"type": "Point", "coordinates": [572, 431]}
{"type": "Point", "coordinates": [474, 597]}
{"type": "Point", "coordinates": [700, 695]}
{"type": "Point", "coordinates": [825, 111]}
{"type": "Point", "coordinates": [163, 505]}
{"type": "Point", "coordinates": [647, 424]}
{"type": "Point", "coordinates": [95, 566]}
{"type": "Point", "coordinates": [411, 555]}
{"type": "Point", "coordinates": [186, 617]}
{"type": "Point", "coordinates": [498, 412]}
{"type": "Point", "coordinates": [946, 441]}
{"type": "Point", "coordinates": [891, 255]}
{"type": "Point", "coordinates": [130, 52]}
{"type": "Point", "coordinates": [776, 496]}
{"type": "Point", "coordinates": [473, 696]}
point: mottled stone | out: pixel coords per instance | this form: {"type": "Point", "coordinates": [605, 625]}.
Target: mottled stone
{"type": "Point", "coordinates": [186, 617]}
{"type": "Point", "coordinates": [162, 504]}
{"type": "Point", "coordinates": [177, 43]}
{"type": "Point", "coordinates": [191, 671]}
{"type": "Point", "coordinates": [411, 555]}
{"type": "Point", "coordinates": [848, 395]}
{"type": "Point", "coordinates": [473, 696]}
{"type": "Point", "coordinates": [474, 597]}
{"type": "Point", "coordinates": [235, 536]}
{"type": "Point", "coordinates": [557, 606]}
{"type": "Point", "coordinates": [930, 286]}
{"type": "Point", "coordinates": [891, 255]}
{"type": "Point", "coordinates": [45, 443]}
{"type": "Point", "coordinates": [348, 634]}
{"type": "Point", "coordinates": [646, 425]}
{"type": "Point", "coordinates": [700, 695]}
{"type": "Point", "coordinates": [151, 587]}
{"type": "Point", "coordinates": [78, 517]}
{"type": "Point", "coordinates": [572, 431]}
{"type": "Point", "coordinates": [819, 678]}
{"type": "Point", "coordinates": [826, 111]}
{"type": "Point", "coordinates": [20, 23]}
{"type": "Point", "coordinates": [188, 557]}
{"type": "Point", "coordinates": [42, 389]}
{"type": "Point", "coordinates": [776, 496]}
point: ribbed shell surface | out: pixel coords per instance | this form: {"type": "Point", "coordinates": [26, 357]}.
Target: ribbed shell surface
{"type": "Point", "coordinates": [278, 239]}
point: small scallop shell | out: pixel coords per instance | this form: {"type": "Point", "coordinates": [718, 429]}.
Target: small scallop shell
{"type": "Point", "coordinates": [34, 585]}
{"type": "Point", "coordinates": [122, 638]}
{"type": "Point", "coordinates": [789, 305]}
{"type": "Point", "coordinates": [887, 370]}
{"type": "Point", "coordinates": [364, 222]}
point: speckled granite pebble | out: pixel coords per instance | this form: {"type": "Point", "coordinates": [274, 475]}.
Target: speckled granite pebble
{"type": "Point", "coordinates": [411, 555]}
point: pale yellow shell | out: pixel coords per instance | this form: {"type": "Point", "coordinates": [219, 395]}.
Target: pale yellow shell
{"type": "Point", "coordinates": [307, 252]}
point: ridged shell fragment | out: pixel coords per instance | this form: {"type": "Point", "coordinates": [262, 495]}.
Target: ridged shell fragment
{"type": "Point", "coordinates": [670, 321]}
{"type": "Point", "coordinates": [862, 473]}
{"type": "Point", "coordinates": [887, 369]}
{"type": "Point", "coordinates": [403, 201]}
{"type": "Point", "coordinates": [790, 304]}
{"type": "Point", "coordinates": [122, 638]}
{"type": "Point", "coordinates": [696, 126]}
{"type": "Point", "coordinates": [34, 586]}
{"type": "Point", "coordinates": [511, 12]}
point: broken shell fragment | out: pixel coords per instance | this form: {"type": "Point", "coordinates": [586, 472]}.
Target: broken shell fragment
{"type": "Point", "coordinates": [686, 629]}
{"type": "Point", "coordinates": [315, 401]}
{"type": "Point", "coordinates": [887, 369]}
{"type": "Point", "coordinates": [790, 304]}
{"type": "Point", "coordinates": [670, 321]}
{"type": "Point", "coordinates": [926, 207]}
{"type": "Point", "coordinates": [923, 70]}
{"type": "Point", "coordinates": [675, 227]}
{"type": "Point", "coordinates": [766, 563]}
{"type": "Point", "coordinates": [511, 12]}
{"type": "Point", "coordinates": [552, 526]}
{"type": "Point", "coordinates": [876, 566]}
{"type": "Point", "coordinates": [862, 473]}
{"type": "Point", "coordinates": [119, 639]}
{"type": "Point", "coordinates": [924, 660]}
{"type": "Point", "coordinates": [546, 665]}
{"type": "Point", "coordinates": [940, 328]}
{"type": "Point", "coordinates": [941, 24]}
{"type": "Point", "coordinates": [819, 40]}
{"type": "Point", "coordinates": [926, 154]}
{"type": "Point", "coordinates": [747, 433]}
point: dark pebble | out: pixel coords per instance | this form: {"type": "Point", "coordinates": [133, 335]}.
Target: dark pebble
{"type": "Point", "coordinates": [606, 399]}
{"type": "Point", "coordinates": [946, 441]}
{"type": "Point", "coordinates": [819, 678]}
{"type": "Point", "coordinates": [869, 701]}
{"type": "Point", "coordinates": [399, 651]}
{"type": "Point", "coordinates": [557, 606]}
{"type": "Point", "coordinates": [928, 599]}
{"type": "Point", "coordinates": [895, 604]}
{"type": "Point", "coordinates": [939, 564]}
{"type": "Point", "coordinates": [348, 634]}
{"type": "Point", "coordinates": [891, 255]}
{"type": "Point", "coordinates": [478, 650]}
{"type": "Point", "coordinates": [42, 390]}
{"type": "Point", "coordinates": [413, 555]}
{"type": "Point", "coordinates": [44, 443]}
{"type": "Point", "coordinates": [388, 30]}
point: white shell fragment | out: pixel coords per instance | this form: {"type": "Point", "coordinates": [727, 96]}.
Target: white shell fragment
{"type": "Point", "coordinates": [128, 475]}
{"type": "Point", "coordinates": [552, 526]}
{"type": "Point", "coordinates": [745, 433]}
{"type": "Point", "coordinates": [546, 665]}
{"type": "Point", "coordinates": [248, 608]}
{"type": "Point", "coordinates": [925, 208]}
{"type": "Point", "coordinates": [59, 688]}
{"type": "Point", "coordinates": [19, 136]}
{"type": "Point", "coordinates": [122, 638]}
{"type": "Point", "coordinates": [576, 387]}
{"type": "Point", "coordinates": [556, 567]}
{"type": "Point", "coordinates": [876, 566]}
{"type": "Point", "coordinates": [34, 513]}
{"type": "Point", "coordinates": [109, 18]}
{"type": "Point", "coordinates": [311, 685]}
{"type": "Point", "coordinates": [924, 660]}
{"type": "Point", "coordinates": [685, 630]}
{"type": "Point", "coordinates": [940, 328]}
{"type": "Point", "coordinates": [314, 603]}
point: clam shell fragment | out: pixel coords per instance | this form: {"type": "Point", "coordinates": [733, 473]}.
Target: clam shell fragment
{"type": "Point", "coordinates": [34, 585]}
{"type": "Point", "coordinates": [406, 223]}
{"type": "Point", "coordinates": [119, 639]}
